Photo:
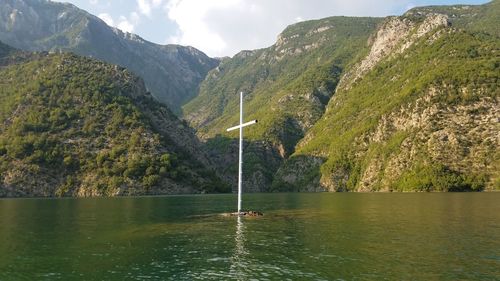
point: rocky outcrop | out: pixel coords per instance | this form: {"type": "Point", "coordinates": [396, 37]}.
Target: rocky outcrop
{"type": "Point", "coordinates": [463, 137]}
{"type": "Point", "coordinates": [394, 36]}
{"type": "Point", "coordinates": [286, 42]}
{"type": "Point", "coordinates": [451, 135]}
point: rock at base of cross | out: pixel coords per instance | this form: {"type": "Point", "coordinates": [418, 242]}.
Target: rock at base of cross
{"type": "Point", "coordinates": [248, 214]}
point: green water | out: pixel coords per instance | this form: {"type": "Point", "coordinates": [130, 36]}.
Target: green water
{"type": "Point", "coordinates": [427, 236]}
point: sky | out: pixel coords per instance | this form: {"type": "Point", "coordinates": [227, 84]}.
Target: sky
{"type": "Point", "coordinates": [225, 27]}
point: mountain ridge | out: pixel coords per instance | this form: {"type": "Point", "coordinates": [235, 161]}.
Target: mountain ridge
{"type": "Point", "coordinates": [171, 72]}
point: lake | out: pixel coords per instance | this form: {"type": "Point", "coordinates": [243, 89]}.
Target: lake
{"type": "Point", "coordinates": [302, 236]}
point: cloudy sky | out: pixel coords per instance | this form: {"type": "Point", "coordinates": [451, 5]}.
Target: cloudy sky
{"type": "Point", "coordinates": [224, 27]}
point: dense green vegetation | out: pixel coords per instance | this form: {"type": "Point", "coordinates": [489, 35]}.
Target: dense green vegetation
{"type": "Point", "coordinates": [437, 177]}
{"type": "Point", "coordinates": [420, 115]}
{"type": "Point", "coordinates": [347, 148]}
{"type": "Point", "coordinates": [462, 67]}
{"type": "Point", "coordinates": [286, 86]}
{"type": "Point", "coordinates": [75, 126]}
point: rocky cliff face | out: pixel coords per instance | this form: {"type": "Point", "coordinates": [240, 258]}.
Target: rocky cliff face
{"type": "Point", "coordinates": [419, 112]}
{"type": "Point", "coordinates": [460, 137]}
{"type": "Point", "coordinates": [172, 73]}
{"type": "Point", "coordinates": [395, 36]}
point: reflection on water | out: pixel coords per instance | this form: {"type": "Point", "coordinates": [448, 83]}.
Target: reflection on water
{"type": "Point", "coordinates": [302, 237]}
{"type": "Point", "coordinates": [239, 260]}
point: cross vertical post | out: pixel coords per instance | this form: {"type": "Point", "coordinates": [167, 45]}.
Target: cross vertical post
{"type": "Point", "coordinates": [240, 152]}
{"type": "Point", "coordinates": [240, 155]}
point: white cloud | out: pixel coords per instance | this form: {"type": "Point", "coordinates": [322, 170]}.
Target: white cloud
{"type": "Point", "coordinates": [224, 27]}
{"type": "Point", "coordinates": [145, 6]}
{"type": "Point", "coordinates": [135, 18]}
{"type": "Point", "coordinates": [123, 23]}
{"type": "Point", "coordinates": [191, 17]}
{"type": "Point", "coordinates": [107, 19]}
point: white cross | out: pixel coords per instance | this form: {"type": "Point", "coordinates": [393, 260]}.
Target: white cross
{"type": "Point", "coordinates": [240, 165]}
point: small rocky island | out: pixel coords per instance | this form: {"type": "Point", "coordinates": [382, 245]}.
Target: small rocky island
{"type": "Point", "coordinates": [244, 214]}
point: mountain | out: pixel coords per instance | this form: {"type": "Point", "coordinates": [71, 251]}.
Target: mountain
{"type": "Point", "coordinates": [419, 112]}
{"type": "Point", "coordinates": [365, 104]}
{"type": "Point", "coordinates": [287, 87]}
{"type": "Point", "coordinates": [5, 50]}
{"type": "Point", "coordinates": [405, 103]}
{"type": "Point", "coordinates": [172, 73]}
{"type": "Point", "coordinates": [74, 126]}
{"type": "Point", "coordinates": [474, 18]}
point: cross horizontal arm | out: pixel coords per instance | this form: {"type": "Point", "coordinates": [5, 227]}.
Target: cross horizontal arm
{"type": "Point", "coordinates": [242, 125]}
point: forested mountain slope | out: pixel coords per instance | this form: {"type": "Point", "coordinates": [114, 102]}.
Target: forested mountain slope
{"type": "Point", "coordinates": [286, 86]}
{"type": "Point", "coordinates": [421, 113]}
{"type": "Point", "coordinates": [72, 126]}
{"type": "Point", "coordinates": [360, 104]}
